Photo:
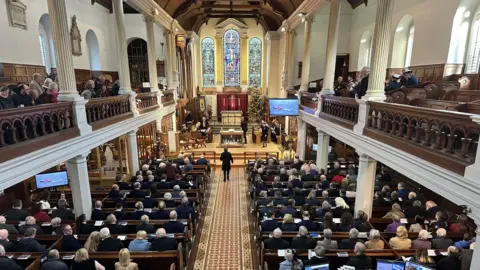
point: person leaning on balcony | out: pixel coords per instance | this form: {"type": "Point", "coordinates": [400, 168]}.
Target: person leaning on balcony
{"type": "Point", "coordinates": [50, 96]}
{"type": "Point", "coordinates": [21, 96]}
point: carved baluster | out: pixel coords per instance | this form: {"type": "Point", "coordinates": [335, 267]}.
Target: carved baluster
{"type": "Point", "coordinates": [428, 133]}
{"type": "Point", "coordinates": [43, 128]}
{"type": "Point", "coordinates": [2, 138]}
{"type": "Point", "coordinates": [394, 127]}
{"type": "Point", "coordinates": [400, 129]}
{"type": "Point", "coordinates": [408, 136]}
{"type": "Point", "coordinates": [439, 135]}
{"type": "Point", "coordinates": [50, 125]}
{"type": "Point", "coordinates": [465, 146]}
{"type": "Point", "coordinates": [386, 124]}
{"type": "Point", "coordinates": [451, 140]}
{"type": "Point", "coordinates": [14, 135]}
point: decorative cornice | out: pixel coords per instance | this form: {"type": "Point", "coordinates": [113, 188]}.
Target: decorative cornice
{"type": "Point", "coordinates": [307, 7]}
{"type": "Point", "coordinates": [273, 35]}
{"type": "Point", "coordinates": [146, 8]}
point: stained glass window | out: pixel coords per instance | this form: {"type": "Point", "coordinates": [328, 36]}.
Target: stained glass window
{"type": "Point", "coordinates": [208, 62]}
{"type": "Point", "coordinates": [255, 62]}
{"type": "Point", "coordinates": [231, 55]}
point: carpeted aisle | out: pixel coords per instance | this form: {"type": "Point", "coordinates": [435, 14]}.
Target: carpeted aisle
{"type": "Point", "coordinates": [225, 236]}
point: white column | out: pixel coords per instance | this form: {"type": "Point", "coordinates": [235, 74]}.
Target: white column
{"type": "Point", "coordinates": [193, 49]}
{"type": "Point", "coordinates": [365, 184]}
{"type": "Point", "coordinates": [331, 54]}
{"type": "Point", "coordinates": [63, 51]}
{"type": "Point", "coordinates": [170, 59]}
{"type": "Point", "coordinates": [152, 55]}
{"type": "Point", "coordinates": [123, 68]}
{"type": "Point", "coordinates": [322, 152]}
{"type": "Point", "coordinates": [306, 53]}
{"type": "Point", "coordinates": [363, 111]}
{"type": "Point", "coordinates": [290, 58]}
{"type": "Point", "coordinates": [380, 51]}
{"type": "Point", "coordinates": [302, 138]}
{"type": "Point", "coordinates": [77, 171]}
{"type": "Point", "coordinates": [286, 56]}
{"type": "Point", "coordinates": [133, 149]}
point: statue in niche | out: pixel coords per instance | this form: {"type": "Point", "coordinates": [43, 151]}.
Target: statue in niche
{"type": "Point", "coordinates": [76, 38]}
{"type": "Point", "coordinates": [17, 14]}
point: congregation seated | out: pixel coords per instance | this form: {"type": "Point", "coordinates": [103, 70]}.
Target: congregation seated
{"type": "Point", "coordinates": [161, 213]}
{"type": "Point", "coordinates": [431, 209]}
{"type": "Point", "coordinates": [93, 240]}
{"type": "Point", "coordinates": [119, 181]}
{"type": "Point", "coordinates": [9, 227]}
{"type": "Point", "coordinates": [312, 198]}
{"type": "Point", "coordinates": [4, 241]}
{"type": "Point", "coordinates": [114, 193]}
{"type": "Point", "coordinates": [350, 242]}
{"type": "Point", "coordinates": [148, 201]}
{"type": "Point", "coordinates": [290, 262]}
{"type": "Point", "coordinates": [460, 224]}
{"type": "Point", "coordinates": [396, 210]}
{"type": "Point", "coordinates": [418, 226]}
{"type": "Point", "coordinates": [414, 210]}
{"type": "Point", "coordinates": [83, 262]}
{"type": "Point", "coordinates": [107, 242]}
{"type": "Point", "coordinates": [451, 261]}
{"type": "Point", "coordinates": [28, 243]}
{"type": "Point", "coordinates": [174, 226]}
{"type": "Point", "coordinates": [401, 241]}
{"type": "Point", "coordinates": [112, 225]}
{"type": "Point", "coordinates": [361, 260]}
{"type": "Point", "coordinates": [124, 261]}
{"type": "Point", "coordinates": [374, 240]}
{"type": "Point", "coordinates": [184, 211]}
{"type": "Point", "coordinates": [327, 243]}
{"type": "Point", "coordinates": [30, 222]}
{"type": "Point", "coordinates": [346, 222]}
{"type": "Point", "coordinates": [81, 226]}
{"type": "Point", "coordinates": [139, 211]}
{"type": "Point", "coordinates": [326, 208]}
{"type": "Point", "coordinates": [17, 213]}
{"type": "Point", "coordinates": [69, 242]}
{"type": "Point", "coordinates": [327, 223]}
{"type": "Point", "coordinates": [303, 240]}
{"type": "Point", "coordinates": [62, 212]}
{"type": "Point", "coordinates": [288, 223]}
{"type": "Point", "coordinates": [7, 263]}
{"type": "Point", "coordinates": [276, 242]}
{"type": "Point", "coordinates": [137, 193]}
{"type": "Point", "coordinates": [269, 224]}
{"type": "Point", "coordinates": [318, 258]}
{"type": "Point", "coordinates": [39, 214]}
{"type": "Point", "coordinates": [341, 207]}
{"type": "Point", "coordinates": [140, 243]}
{"type": "Point", "coordinates": [118, 213]}
{"type": "Point", "coordinates": [465, 242]}
{"type": "Point", "coordinates": [97, 213]}
{"type": "Point", "coordinates": [288, 209]}
{"type": "Point", "coordinates": [163, 242]}
{"type": "Point", "coordinates": [145, 226]}
{"type": "Point", "coordinates": [421, 257]}
{"type": "Point", "coordinates": [361, 222]}
{"type": "Point", "coordinates": [53, 261]}
{"type": "Point", "coordinates": [441, 241]}
{"type": "Point", "coordinates": [422, 241]}
{"type": "Point", "coordinates": [439, 222]}
{"type": "Point", "coordinates": [306, 222]}
{"type": "Point", "coordinates": [392, 227]}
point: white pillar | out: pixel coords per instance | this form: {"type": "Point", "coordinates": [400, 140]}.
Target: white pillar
{"type": "Point", "coordinates": [365, 184]}
{"type": "Point", "coordinates": [306, 53]}
{"type": "Point", "coordinates": [331, 54]}
{"type": "Point", "coordinates": [170, 59]}
{"type": "Point", "coordinates": [123, 68]}
{"type": "Point", "coordinates": [152, 55]}
{"type": "Point", "coordinates": [322, 152]}
{"type": "Point", "coordinates": [63, 51]}
{"type": "Point", "coordinates": [133, 149]}
{"type": "Point", "coordinates": [290, 59]}
{"type": "Point", "coordinates": [77, 171]}
{"type": "Point", "coordinates": [302, 138]}
{"type": "Point", "coordinates": [286, 56]}
{"type": "Point", "coordinates": [193, 49]}
{"type": "Point", "coordinates": [380, 51]}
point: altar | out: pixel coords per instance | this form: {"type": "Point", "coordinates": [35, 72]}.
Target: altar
{"type": "Point", "coordinates": [231, 138]}
{"type": "Point", "coordinates": [231, 117]}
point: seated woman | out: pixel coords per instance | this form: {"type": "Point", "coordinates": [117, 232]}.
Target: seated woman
{"type": "Point", "coordinates": [288, 224]}
{"type": "Point", "coordinates": [422, 258]}
{"type": "Point", "coordinates": [460, 225]}
{"type": "Point", "coordinates": [401, 241]}
{"type": "Point", "coordinates": [327, 223]}
{"type": "Point", "coordinates": [422, 241]}
{"type": "Point", "coordinates": [341, 207]}
{"type": "Point", "coordinates": [111, 224]}
{"type": "Point", "coordinates": [440, 222]}
{"type": "Point", "coordinates": [92, 242]}
{"type": "Point", "coordinates": [81, 226]}
{"type": "Point", "coordinates": [396, 209]}
{"type": "Point", "coordinates": [124, 262]}
{"type": "Point", "coordinates": [346, 222]}
{"type": "Point", "coordinates": [374, 241]}
{"type": "Point", "coordinates": [311, 198]}
{"type": "Point", "coordinates": [327, 241]}
{"type": "Point", "coordinates": [418, 226]}
{"type": "Point", "coordinates": [361, 222]}
{"type": "Point", "coordinates": [56, 226]}
{"type": "Point", "coordinates": [38, 214]}
{"type": "Point", "coordinates": [140, 243]}
{"type": "Point", "coordinates": [83, 262]}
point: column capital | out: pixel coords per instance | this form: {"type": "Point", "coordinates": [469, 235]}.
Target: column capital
{"type": "Point", "coordinates": [82, 158]}
{"type": "Point", "coordinates": [309, 18]}
{"type": "Point", "coordinates": [148, 19]}
{"type": "Point", "coordinates": [363, 157]}
{"type": "Point", "coordinates": [167, 32]}
{"type": "Point", "coordinates": [132, 133]}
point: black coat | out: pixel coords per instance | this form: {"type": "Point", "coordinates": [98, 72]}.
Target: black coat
{"type": "Point", "coordinates": [25, 100]}
{"type": "Point", "coordinates": [120, 215]}
{"type": "Point", "coordinates": [149, 228]}
{"type": "Point", "coordinates": [84, 229]}
{"type": "Point", "coordinates": [315, 260]}
{"type": "Point", "coordinates": [6, 103]}
{"type": "Point", "coordinates": [269, 225]}
{"type": "Point", "coordinates": [303, 242]}
{"type": "Point", "coordinates": [449, 263]}
{"type": "Point", "coordinates": [115, 228]}
{"type": "Point", "coordinates": [412, 211]}
{"type": "Point", "coordinates": [63, 214]}
{"type": "Point", "coordinates": [16, 214]}
{"type": "Point", "coordinates": [184, 211]}
{"type": "Point", "coordinates": [160, 214]}
{"type": "Point", "coordinates": [276, 243]}
{"type": "Point", "coordinates": [441, 243]}
{"type": "Point", "coordinates": [174, 227]}
{"type": "Point", "coordinates": [98, 215]}
{"type": "Point", "coordinates": [28, 245]}
{"type": "Point", "coordinates": [23, 228]}
{"type": "Point", "coordinates": [227, 160]}
{"type": "Point", "coordinates": [70, 243]}
{"type": "Point", "coordinates": [7, 245]}
{"type": "Point", "coordinates": [361, 262]}
{"type": "Point", "coordinates": [348, 243]}
{"type": "Point", "coordinates": [136, 194]}
{"type": "Point", "coordinates": [8, 264]}
{"type": "Point", "coordinates": [110, 244]}
{"type": "Point", "coordinates": [164, 243]}
{"type": "Point", "coordinates": [54, 265]}
{"type": "Point", "coordinates": [10, 228]}
{"type": "Point", "coordinates": [244, 125]}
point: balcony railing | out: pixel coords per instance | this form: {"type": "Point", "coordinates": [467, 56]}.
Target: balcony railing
{"type": "Point", "coordinates": [147, 102]}
{"type": "Point", "coordinates": [448, 139]}
{"type": "Point", "coordinates": [168, 97]}
{"type": "Point", "coordinates": [24, 130]}
{"type": "Point", "coordinates": [340, 110]}
{"type": "Point", "coordinates": [102, 112]}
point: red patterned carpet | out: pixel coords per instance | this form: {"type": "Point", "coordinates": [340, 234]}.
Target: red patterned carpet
{"type": "Point", "coordinates": [225, 239]}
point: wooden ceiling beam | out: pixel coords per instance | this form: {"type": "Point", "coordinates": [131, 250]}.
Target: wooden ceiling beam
{"type": "Point", "coordinates": [246, 12]}
{"type": "Point", "coordinates": [232, 16]}
{"type": "Point", "coordinates": [231, 7]}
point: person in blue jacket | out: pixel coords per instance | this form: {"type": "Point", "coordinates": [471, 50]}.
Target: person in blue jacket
{"type": "Point", "coordinates": [394, 83]}
{"type": "Point", "coordinates": [411, 78]}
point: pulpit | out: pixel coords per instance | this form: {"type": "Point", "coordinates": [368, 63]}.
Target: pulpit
{"type": "Point", "coordinates": [231, 117]}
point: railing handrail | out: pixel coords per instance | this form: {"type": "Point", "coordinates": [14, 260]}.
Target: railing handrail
{"type": "Point", "coordinates": [347, 100]}
{"type": "Point", "coordinates": [422, 110]}
{"type": "Point", "coordinates": [34, 109]}
{"type": "Point", "coordinates": [95, 101]}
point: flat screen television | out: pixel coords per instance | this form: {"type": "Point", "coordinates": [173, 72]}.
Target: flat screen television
{"type": "Point", "coordinates": [283, 107]}
{"type": "Point", "coordinates": [315, 147]}
{"type": "Point", "coordinates": [415, 266]}
{"type": "Point", "coordinates": [318, 267]}
{"type": "Point", "coordinates": [48, 180]}
{"type": "Point", "coordinates": [390, 265]}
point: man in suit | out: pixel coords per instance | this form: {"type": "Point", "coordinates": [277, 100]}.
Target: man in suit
{"type": "Point", "coordinates": [361, 261]}
{"type": "Point", "coordinates": [150, 181]}
{"type": "Point", "coordinates": [227, 160]}
{"type": "Point", "coordinates": [6, 263]}
{"type": "Point", "coordinates": [9, 227]}
{"type": "Point", "coordinates": [8, 246]}
{"type": "Point", "coordinates": [148, 202]}
{"type": "Point", "coordinates": [432, 209]}
{"type": "Point", "coordinates": [173, 226]}
{"type": "Point", "coordinates": [402, 191]}
{"type": "Point", "coordinates": [136, 192]}
{"type": "Point", "coordinates": [118, 213]}
{"type": "Point", "coordinates": [289, 209]}
{"type": "Point", "coordinates": [163, 184]}
{"type": "Point", "coordinates": [179, 161]}
{"type": "Point", "coordinates": [139, 211]}
{"type": "Point", "coordinates": [277, 242]}
{"type": "Point", "coordinates": [279, 200]}
{"type": "Point", "coordinates": [108, 243]}
{"type": "Point", "coordinates": [269, 224]}
{"type": "Point", "coordinates": [351, 241]}
{"type": "Point", "coordinates": [145, 226]}
{"type": "Point", "coordinates": [97, 213]}
{"type": "Point", "coordinates": [28, 242]}
{"type": "Point", "coordinates": [114, 192]}
{"type": "Point", "coordinates": [120, 183]}
{"type": "Point", "coordinates": [318, 258]}
{"type": "Point", "coordinates": [163, 242]}
{"type": "Point", "coordinates": [62, 212]}
{"type": "Point", "coordinates": [297, 183]}
{"type": "Point", "coordinates": [414, 210]}
{"type": "Point", "coordinates": [202, 160]}
{"type": "Point", "coordinates": [161, 213]}
{"type": "Point", "coordinates": [30, 222]}
{"type": "Point", "coordinates": [306, 221]}
{"type": "Point", "coordinates": [183, 210]}
{"type": "Point", "coordinates": [441, 241]}
{"type": "Point", "coordinates": [69, 242]}
{"type": "Point", "coordinates": [17, 213]}
{"type": "Point", "coordinates": [178, 182]}
{"type": "Point", "coordinates": [303, 241]}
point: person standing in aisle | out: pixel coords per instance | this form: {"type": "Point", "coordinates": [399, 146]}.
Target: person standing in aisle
{"type": "Point", "coordinates": [227, 160]}
{"type": "Point", "coordinates": [244, 125]}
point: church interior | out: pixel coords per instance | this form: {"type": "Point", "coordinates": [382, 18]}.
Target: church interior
{"type": "Point", "coordinates": [239, 135]}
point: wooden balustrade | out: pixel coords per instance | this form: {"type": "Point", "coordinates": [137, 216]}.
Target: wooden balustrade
{"type": "Point", "coordinates": [147, 102]}
{"type": "Point", "coordinates": [168, 97]}
{"type": "Point", "coordinates": [340, 110]}
{"type": "Point", "coordinates": [448, 139]}
{"type": "Point", "coordinates": [102, 112]}
{"type": "Point", "coordinates": [24, 130]}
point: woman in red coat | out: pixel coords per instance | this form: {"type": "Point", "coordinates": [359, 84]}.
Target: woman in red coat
{"type": "Point", "coordinates": [38, 214]}
{"type": "Point", "coordinates": [460, 226]}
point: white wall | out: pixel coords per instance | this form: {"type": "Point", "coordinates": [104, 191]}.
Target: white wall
{"type": "Point", "coordinates": [318, 40]}
{"type": "Point", "coordinates": [135, 28]}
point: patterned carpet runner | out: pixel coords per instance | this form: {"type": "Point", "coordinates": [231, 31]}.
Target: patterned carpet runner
{"type": "Point", "coordinates": [225, 239]}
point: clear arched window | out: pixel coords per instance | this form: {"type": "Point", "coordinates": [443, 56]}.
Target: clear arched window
{"type": "Point", "coordinates": [208, 62]}
{"type": "Point", "coordinates": [42, 49]}
{"type": "Point", "coordinates": [473, 57]}
{"type": "Point", "coordinates": [231, 55]}
{"type": "Point", "coordinates": [255, 62]}
{"type": "Point", "coordinates": [365, 50]}
{"type": "Point", "coordinates": [408, 55]}
{"type": "Point", "coordinates": [93, 51]}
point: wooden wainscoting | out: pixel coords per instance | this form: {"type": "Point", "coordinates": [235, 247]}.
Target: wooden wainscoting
{"type": "Point", "coordinates": [19, 73]}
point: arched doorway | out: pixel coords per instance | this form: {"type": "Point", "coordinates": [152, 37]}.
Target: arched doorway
{"type": "Point", "coordinates": [138, 62]}
{"type": "Point", "coordinates": [93, 51]}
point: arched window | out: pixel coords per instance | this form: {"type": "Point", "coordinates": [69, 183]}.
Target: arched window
{"type": "Point", "coordinates": [93, 51]}
{"type": "Point", "coordinates": [208, 62]}
{"type": "Point", "coordinates": [457, 51]}
{"type": "Point", "coordinates": [403, 43]}
{"type": "Point", "coordinates": [408, 56]}
{"type": "Point", "coordinates": [231, 55]}
{"type": "Point", "coordinates": [46, 42]}
{"type": "Point", "coordinates": [138, 61]}
{"type": "Point", "coordinates": [255, 62]}
{"type": "Point", "coordinates": [473, 57]}
{"type": "Point", "coordinates": [365, 50]}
